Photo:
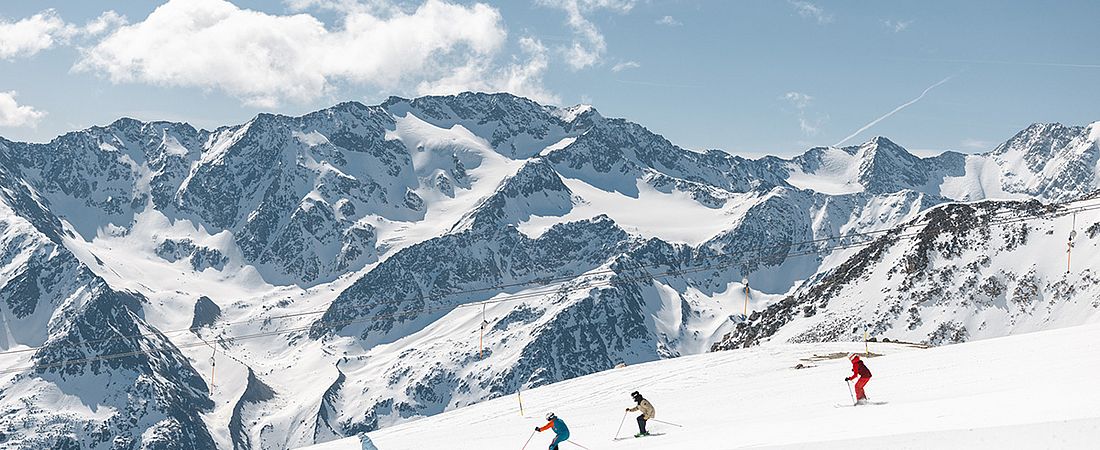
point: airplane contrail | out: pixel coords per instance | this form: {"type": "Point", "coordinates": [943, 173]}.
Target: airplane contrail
{"type": "Point", "coordinates": [895, 110]}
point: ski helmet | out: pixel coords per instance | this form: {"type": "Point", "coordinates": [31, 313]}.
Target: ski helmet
{"type": "Point", "coordinates": [635, 394]}
{"type": "Point", "coordinates": [853, 357]}
{"type": "Point", "coordinates": [550, 416]}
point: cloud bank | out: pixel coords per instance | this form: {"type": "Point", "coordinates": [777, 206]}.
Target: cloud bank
{"type": "Point", "coordinates": [265, 59]}
{"type": "Point", "coordinates": [523, 76]}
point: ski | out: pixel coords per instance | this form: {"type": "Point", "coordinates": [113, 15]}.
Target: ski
{"type": "Point", "coordinates": [637, 437]}
{"type": "Point", "coordinates": [850, 405]}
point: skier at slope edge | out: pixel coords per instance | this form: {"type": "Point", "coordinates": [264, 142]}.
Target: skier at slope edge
{"type": "Point", "coordinates": [859, 370]}
{"type": "Point", "coordinates": [559, 427]}
{"type": "Point", "coordinates": [647, 412]}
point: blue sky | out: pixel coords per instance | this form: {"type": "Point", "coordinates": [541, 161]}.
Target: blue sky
{"type": "Point", "coordinates": [750, 77]}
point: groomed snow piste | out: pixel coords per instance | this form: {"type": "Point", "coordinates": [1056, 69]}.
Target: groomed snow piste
{"type": "Point", "coordinates": [1036, 390]}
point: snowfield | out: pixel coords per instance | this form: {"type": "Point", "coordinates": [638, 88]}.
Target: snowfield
{"type": "Point", "coordinates": [1034, 390]}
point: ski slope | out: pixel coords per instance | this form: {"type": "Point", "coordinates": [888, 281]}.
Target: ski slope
{"type": "Point", "coordinates": [1035, 390]}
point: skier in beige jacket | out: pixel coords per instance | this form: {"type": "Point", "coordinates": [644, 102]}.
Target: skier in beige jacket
{"type": "Point", "coordinates": [647, 412]}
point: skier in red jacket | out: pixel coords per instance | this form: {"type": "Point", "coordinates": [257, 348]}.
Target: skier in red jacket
{"type": "Point", "coordinates": [859, 370]}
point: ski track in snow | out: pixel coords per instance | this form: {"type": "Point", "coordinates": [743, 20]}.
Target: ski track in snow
{"type": "Point", "coordinates": [1028, 391]}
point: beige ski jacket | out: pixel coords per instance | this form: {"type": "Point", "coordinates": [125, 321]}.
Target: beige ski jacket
{"type": "Point", "coordinates": [646, 408]}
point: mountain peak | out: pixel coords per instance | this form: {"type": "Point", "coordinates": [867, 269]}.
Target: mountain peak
{"type": "Point", "coordinates": [1038, 141]}
{"type": "Point", "coordinates": [126, 122]}
{"type": "Point", "coordinates": [882, 143]}
{"type": "Point", "coordinates": [1044, 127]}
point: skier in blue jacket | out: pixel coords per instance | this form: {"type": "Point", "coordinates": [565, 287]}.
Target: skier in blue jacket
{"type": "Point", "coordinates": [559, 427]}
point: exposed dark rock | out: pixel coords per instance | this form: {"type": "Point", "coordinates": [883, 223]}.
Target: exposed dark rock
{"type": "Point", "coordinates": [207, 313]}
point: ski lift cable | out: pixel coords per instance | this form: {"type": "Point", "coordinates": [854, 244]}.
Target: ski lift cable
{"type": "Point", "coordinates": [516, 297]}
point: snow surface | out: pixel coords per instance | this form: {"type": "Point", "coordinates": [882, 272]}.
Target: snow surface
{"type": "Point", "coordinates": [1026, 391]}
{"type": "Point", "coordinates": [982, 180]}
{"type": "Point", "coordinates": [433, 147]}
{"type": "Point", "coordinates": [674, 217]}
{"type": "Point", "coordinates": [557, 145]}
{"type": "Point", "coordinates": [838, 175]}
{"type": "Point", "coordinates": [1041, 257]}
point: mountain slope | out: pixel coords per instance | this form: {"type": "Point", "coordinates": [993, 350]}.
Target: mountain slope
{"type": "Point", "coordinates": [130, 386]}
{"type": "Point", "coordinates": [960, 396]}
{"type": "Point", "coordinates": [971, 271]}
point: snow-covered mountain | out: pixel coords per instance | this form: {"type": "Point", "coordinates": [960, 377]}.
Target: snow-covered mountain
{"type": "Point", "coordinates": [878, 166]}
{"type": "Point", "coordinates": [292, 280]}
{"type": "Point", "coordinates": [961, 272]}
{"type": "Point", "coordinates": [133, 387]}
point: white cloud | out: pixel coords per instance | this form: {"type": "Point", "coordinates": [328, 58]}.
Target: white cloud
{"type": "Point", "coordinates": [808, 127]}
{"type": "Point", "coordinates": [32, 35]}
{"type": "Point", "coordinates": [669, 21]}
{"type": "Point", "coordinates": [622, 6]}
{"type": "Point", "coordinates": [333, 5]}
{"type": "Point", "coordinates": [12, 114]}
{"type": "Point", "coordinates": [897, 26]}
{"type": "Point", "coordinates": [522, 77]}
{"type": "Point", "coordinates": [626, 65]}
{"type": "Point", "coordinates": [107, 21]}
{"type": "Point", "coordinates": [266, 59]}
{"type": "Point", "coordinates": [798, 99]}
{"type": "Point", "coordinates": [588, 45]}
{"type": "Point", "coordinates": [46, 30]}
{"type": "Point", "coordinates": [811, 11]}
{"type": "Point", "coordinates": [801, 102]}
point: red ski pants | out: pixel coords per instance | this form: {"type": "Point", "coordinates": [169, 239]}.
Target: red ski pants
{"type": "Point", "coordinates": [860, 395]}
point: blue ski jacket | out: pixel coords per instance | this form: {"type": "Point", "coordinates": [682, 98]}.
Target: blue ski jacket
{"type": "Point", "coordinates": [559, 428]}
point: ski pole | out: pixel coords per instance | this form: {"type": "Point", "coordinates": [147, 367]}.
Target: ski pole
{"type": "Point", "coordinates": [578, 445]}
{"type": "Point", "coordinates": [666, 423]}
{"type": "Point", "coordinates": [854, 401]}
{"type": "Point", "coordinates": [621, 424]}
{"type": "Point", "coordinates": [528, 441]}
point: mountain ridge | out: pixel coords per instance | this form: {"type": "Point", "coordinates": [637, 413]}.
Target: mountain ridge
{"type": "Point", "coordinates": [360, 239]}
